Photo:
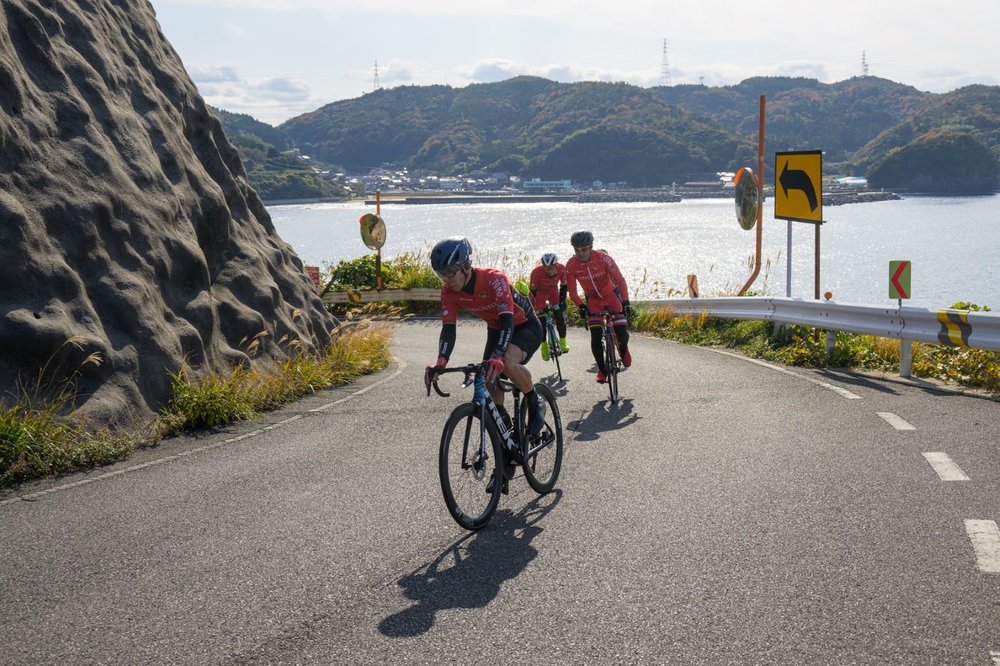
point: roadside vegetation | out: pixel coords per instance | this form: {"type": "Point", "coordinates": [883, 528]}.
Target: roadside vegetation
{"type": "Point", "coordinates": [39, 436]}
{"type": "Point", "coordinates": [800, 346]}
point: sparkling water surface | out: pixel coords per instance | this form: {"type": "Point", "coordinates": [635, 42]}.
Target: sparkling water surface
{"type": "Point", "coordinates": [954, 243]}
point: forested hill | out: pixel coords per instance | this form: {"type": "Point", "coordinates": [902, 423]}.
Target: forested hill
{"type": "Point", "coordinates": [533, 127]}
{"type": "Point", "coordinates": [524, 126]}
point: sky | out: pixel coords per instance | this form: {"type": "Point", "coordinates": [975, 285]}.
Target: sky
{"type": "Point", "coordinates": [277, 59]}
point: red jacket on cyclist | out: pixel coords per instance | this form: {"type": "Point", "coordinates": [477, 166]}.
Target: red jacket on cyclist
{"type": "Point", "coordinates": [547, 286]}
{"type": "Point", "coordinates": [604, 287]}
{"type": "Point", "coordinates": [513, 330]}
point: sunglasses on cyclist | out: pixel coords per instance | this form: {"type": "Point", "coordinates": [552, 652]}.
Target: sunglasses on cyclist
{"type": "Point", "coordinates": [448, 274]}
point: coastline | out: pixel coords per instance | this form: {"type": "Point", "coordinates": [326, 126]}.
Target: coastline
{"type": "Point", "coordinates": [838, 198]}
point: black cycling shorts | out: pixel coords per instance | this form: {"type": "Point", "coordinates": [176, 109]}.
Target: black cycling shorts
{"type": "Point", "coordinates": [526, 337]}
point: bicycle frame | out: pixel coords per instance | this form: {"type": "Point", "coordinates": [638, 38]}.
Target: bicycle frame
{"type": "Point", "coordinates": [515, 444]}
{"type": "Point", "coordinates": [611, 357]}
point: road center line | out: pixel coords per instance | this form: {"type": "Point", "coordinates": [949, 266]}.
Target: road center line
{"type": "Point", "coordinates": [985, 537]}
{"type": "Point", "coordinates": [895, 421]}
{"type": "Point", "coordinates": [844, 393]}
{"type": "Point", "coordinates": [401, 365]}
{"type": "Point", "coordinates": [945, 467]}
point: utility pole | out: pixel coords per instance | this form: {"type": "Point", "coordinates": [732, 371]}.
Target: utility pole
{"type": "Point", "coordinates": [375, 83]}
{"type": "Point", "coordinates": [864, 64]}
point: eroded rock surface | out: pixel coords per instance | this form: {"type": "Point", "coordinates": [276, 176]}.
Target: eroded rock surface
{"type": "Point", "coordinates": [126, 221]}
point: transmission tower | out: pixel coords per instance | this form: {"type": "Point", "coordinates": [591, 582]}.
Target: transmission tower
{"type": "Point", "coordinates": [375, 84]}
{"type": "Point", "coordinates": [864, 64]}
{"type": "Point", "coordinates": [665, 68]}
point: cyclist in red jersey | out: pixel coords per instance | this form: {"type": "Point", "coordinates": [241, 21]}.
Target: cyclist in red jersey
{"type": "Point", "coordinates": [603, 286]}
{"type": "Point", "coordinates": [547, 285]}
{"type": "Point", "coordinates": [514, 331]}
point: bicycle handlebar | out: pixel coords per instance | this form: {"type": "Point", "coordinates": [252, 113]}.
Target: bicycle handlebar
{"type": "Point", "coordinates": [551, 307]}
{"type": "Point", "coordinates": [470, 370]}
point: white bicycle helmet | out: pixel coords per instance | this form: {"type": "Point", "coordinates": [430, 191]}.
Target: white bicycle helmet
{"type": "Point", "coordinates": [549, 259]}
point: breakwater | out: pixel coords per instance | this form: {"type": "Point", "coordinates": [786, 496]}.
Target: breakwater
{"type": "Point", "coordinates": [611, 196]}
{"type": "Point", "coordinates": [841, 198]}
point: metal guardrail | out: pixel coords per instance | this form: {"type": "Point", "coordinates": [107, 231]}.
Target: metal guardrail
{"type": "Point", "coordinates": [385, 295]}
{"type": "Point", "coordinates": [979, 330]}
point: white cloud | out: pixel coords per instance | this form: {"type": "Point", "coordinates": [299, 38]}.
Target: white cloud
{"type": "Point", "coordinates": [271, 100]}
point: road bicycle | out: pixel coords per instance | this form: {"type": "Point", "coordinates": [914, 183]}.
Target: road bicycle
{"type": "Point", "coordinates": [552, 334]}
{"type": "Point", "coordinates": [611, 360]}
{"type": "Point", "coordinates": [481, 448]}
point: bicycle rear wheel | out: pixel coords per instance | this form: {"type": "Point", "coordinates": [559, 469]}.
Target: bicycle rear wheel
{"type": "Point", "coordinates": [465, 475]}
{"type": "Point", "coordinates": [611, 360]}
{"type": "Point", "coordinates": [545, 450]}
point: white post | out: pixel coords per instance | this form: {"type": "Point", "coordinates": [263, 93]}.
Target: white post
{"type": "Point", "coordinates": [905, 357]}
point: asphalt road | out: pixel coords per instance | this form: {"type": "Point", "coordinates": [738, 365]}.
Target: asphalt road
{"type": "Point", "coordinates": [725, 512]}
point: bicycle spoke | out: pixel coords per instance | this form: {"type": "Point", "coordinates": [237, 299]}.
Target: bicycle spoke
{"type": "Point", "coordinates": [544, 458]}
{"type": "Point", "coordinates": [466, 469]}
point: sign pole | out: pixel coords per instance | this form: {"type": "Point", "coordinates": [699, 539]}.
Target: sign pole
{"type": "Point", "coordinates": [817, 261]}
{"type": "Point", "coordinates": [760, 196]}
{"type": "Point", "coordinates": [788, 262]}
{"type": "Point", "coordinates": [378, 252]}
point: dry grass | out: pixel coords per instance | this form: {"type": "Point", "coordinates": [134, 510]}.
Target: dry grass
{"type": "Point", "coordinates": [37, 439]}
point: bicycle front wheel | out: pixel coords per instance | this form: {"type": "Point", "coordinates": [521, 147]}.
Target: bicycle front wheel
{"type": "Point", "coordinates": [611, 360]}
{"type": "Point", "coordinates": [544, 450]}
{"type": "Point", "coordinates": [470, 480]}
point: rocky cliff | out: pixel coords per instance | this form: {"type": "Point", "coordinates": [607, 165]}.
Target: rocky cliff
{"type": "Point", "coordinates": [126, 221]}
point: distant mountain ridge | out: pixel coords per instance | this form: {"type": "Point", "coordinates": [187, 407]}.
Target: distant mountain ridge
{"type": "Point", "coordinates": [534, 127]}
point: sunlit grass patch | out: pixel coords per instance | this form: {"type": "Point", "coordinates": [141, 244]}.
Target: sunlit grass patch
{"type": "Point", "coordinates": [212, 400]}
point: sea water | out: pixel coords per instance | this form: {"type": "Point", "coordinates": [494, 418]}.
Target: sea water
{"type": "Point", "coordinates": [953, 243]}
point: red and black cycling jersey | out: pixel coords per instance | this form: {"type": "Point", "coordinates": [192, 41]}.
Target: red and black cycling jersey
{"type": "Point", "coordinates": [489, 296]}
{"type": "Point", "coordinates": [544, 288]}
{"type": "Point", "coordinates": [599, 278]}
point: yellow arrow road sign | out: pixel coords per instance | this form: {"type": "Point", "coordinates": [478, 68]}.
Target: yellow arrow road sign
{"type": "Point", "coordinates": [798, 185]}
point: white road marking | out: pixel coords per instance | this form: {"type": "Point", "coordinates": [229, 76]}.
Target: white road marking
{"type": "Point", "coordinates": [836, 389]}
{"type": "Point", "coordinates": [995, 657]}
{"type": "Point", "coordinates": [985, 538]}
{"type": "Point", "coordinates": [895, 421]}
{"type": "Point", "coordinates": [159, 461]}
{"type": "Point", "coordinates": [945, 467]}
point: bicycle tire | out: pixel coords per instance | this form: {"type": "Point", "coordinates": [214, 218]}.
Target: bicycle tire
{"type": "Point", "coordinates": [555, 351]}
{"type": "Point", "coordinates": [463, 484]}
{"type": "Point", "coordinates": [611, 360]}
{"type": "Point", "coordinates": [541, 468]}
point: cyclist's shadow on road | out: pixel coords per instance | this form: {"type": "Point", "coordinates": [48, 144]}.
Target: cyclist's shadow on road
{"type": "Point", "coordinates": [469, 573]}
{"type": "Point", "coordinates": [557, 385]}
{"type": "Point", "coordinates": [604, 417]}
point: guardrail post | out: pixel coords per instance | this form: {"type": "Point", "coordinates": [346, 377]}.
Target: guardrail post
{"type": "Point", "coordinates": [831, 341]}
{"type": "Point", "coordinates": [905, 357]}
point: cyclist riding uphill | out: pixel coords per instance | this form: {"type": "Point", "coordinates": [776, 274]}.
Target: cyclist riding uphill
{"type": "Point", "coordinates": [547, 284]}
{"type": "Point", "coordinates": [513, 330]}
{"type": "Point", "coordinates": [603, 287]}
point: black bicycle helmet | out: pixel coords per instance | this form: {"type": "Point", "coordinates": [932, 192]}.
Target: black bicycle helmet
{"type": "Point", "coordinates": [450, 253]}
{"type": "Point", "coordinates": [582, 239]}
